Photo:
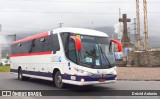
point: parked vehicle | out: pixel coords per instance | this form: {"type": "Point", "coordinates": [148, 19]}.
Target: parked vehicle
{"type": "Point", "coordinates": [4, 61]}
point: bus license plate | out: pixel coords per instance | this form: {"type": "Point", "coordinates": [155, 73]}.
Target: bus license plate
{"type": "Point", "coordinates": [102, 80]}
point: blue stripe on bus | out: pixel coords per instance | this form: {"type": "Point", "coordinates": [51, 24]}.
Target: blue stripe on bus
{"type": "Point", "coordinates": [44, 74]}
{"type": "Point", "coordinates": [88, 78]}
{"type": "Point", "coordinates": [66, 77]}
{"type": "Point", "coordinates": [14, 70]}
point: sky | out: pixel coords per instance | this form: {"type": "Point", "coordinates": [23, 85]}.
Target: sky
{"type": "Point", "coordinates": [34, 16]}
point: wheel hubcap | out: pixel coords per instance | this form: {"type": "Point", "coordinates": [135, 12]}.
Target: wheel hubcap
{"type": "Point", "coordinates": [59, 80]}
{"type": "Point", "coordinates": [20, 76]}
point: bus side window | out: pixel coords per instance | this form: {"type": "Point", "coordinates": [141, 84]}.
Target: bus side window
{"type": "Point", "coordinates": [65, 41]}
{"type": "Point", "coordinates": [19, 45]}
{"type": "Point", "coordinates": [44, 44]}
{"type": "Point", "coordinates": [54, 43]}
{"type": "Point", "coordinates": [33, 46]}
{"type": "Point", "coordinates": [24, 48]}
{"type": "Point", "coordinates": [72, 50]}
{"type": "Point", "coordinates": [14, 47]}
{"type": "Point", "coordinates": [19, 48]}
{"type": "Point", "coordinates": [42, 40]}
{"type": "Point", "coordinates": [69, 46]}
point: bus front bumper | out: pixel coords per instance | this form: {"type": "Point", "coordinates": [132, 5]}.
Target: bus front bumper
{"type": "Point", "coordinates": [81, 83]}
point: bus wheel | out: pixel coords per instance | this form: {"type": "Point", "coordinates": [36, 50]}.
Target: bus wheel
{"type": "Point", "coordinates": [20, 77]}
{"type": "Point", "coordinates": [58, 80]}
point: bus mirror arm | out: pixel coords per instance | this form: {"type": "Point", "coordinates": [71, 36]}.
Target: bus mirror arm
{"type": "Point", "coordinates": [77, 43]}
{"type": "Point", "coordinates": [119, 45]}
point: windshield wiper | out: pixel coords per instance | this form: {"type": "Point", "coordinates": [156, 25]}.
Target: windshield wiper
{"type": "Point", "coordinates": [105, 57]}
{"type": "Point", "coordinates": [93, 56]}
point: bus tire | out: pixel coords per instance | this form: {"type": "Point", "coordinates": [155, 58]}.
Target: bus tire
{"type": "Point", "coordinates": [58, 80]}
{"type": "Point", "coordinates": [20, 76]}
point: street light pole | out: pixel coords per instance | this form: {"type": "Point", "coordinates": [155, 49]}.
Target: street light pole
{"type": "Point", "coordinates": [0, 44]}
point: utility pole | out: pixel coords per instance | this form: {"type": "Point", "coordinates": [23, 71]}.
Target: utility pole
{"type": "Point", "coordinates": [120, 25]}
{"type": "Point", "coordinates": [0, 44]}
{"type": "Point", "coordinates": [60, 25]}
{"type": "Point", "coordinates": [145, 24]}
{"type": "Point", "coordinates": [135, 32]}
{"type": "Point", "coordinates": [138, 24]}
{"type": "Point", "coordinates": [92, 25]}
{"type": "Point", "coordinates": [143, 44]}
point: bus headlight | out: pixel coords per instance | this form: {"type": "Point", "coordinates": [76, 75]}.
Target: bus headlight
{"type": "Point", "coordinates": [84, 72]}
{"type": "Point", "coordinates": [87, 73]}
{"type": "Point", "coordinates": [115, 68]}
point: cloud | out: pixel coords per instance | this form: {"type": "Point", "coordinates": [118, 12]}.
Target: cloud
{"type": "Point", "coordinates": [118, 30]}
{"type": "Point", "coordinates": [25, 16]}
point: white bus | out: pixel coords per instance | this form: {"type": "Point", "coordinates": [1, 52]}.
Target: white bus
{"type": "Point", "coordinates": [66, 56]}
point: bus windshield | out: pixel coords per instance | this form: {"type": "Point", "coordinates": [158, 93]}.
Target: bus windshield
{"type": "Point", "coordinates": [95, 52]}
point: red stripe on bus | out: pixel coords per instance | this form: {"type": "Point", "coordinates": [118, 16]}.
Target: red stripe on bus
{"type": "Point", "coordinates": [31, 37]}
{"type": "Point", "coordinates": [30, 54]}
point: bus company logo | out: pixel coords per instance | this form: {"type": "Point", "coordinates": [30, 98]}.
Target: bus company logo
{"type": "Point", "coordinates": [6, 93]}
{"type": "Point", "coordinates": [59, 59]}
{"type": "Point", "coordinates": [68, 63]}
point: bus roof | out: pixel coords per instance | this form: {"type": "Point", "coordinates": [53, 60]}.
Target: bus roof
{"type": "Point", "coordinates": [31, 37]}
{"type": "Point", "coordinates": [65, 29]}
{"type": "Point", "coordinates": [81, 31]}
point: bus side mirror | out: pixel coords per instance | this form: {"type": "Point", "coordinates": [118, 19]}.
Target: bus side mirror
{"type": "Point", "coordinates": [77, 42]}
{"type": "Point", "coordinates": [118, 44]}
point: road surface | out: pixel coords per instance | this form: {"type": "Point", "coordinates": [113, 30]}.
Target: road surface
{"type": "Point", "coordinates": [9, 82]}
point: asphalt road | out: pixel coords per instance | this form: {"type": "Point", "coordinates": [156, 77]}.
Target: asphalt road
{"type": "Point", "coordinates": [9, 82]}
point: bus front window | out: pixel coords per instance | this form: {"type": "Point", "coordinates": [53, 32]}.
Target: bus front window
{"type": "Point", "coordinates": [95, 52]}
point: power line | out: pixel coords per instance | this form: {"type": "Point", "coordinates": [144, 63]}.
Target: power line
{"type": "Point", "coordinates": [5, 44]}
{"type": "Point", "coordinates": [101, 2]}
{"type": "Point", "coordinates": [70, 12]}
{"type": "Point", "coordinates": [58, 12]}
{"type": "Point", "coordinates": [157, 35]}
